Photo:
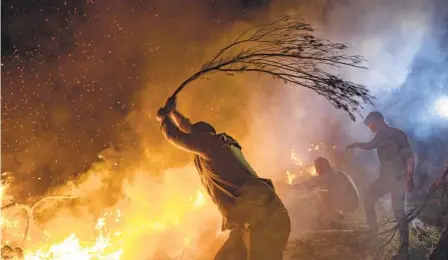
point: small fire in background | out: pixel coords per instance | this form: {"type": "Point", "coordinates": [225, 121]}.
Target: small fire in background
{"type": "Point", "coordinates": [300, 169]}
{"type": "Point", "coordinates": [312, 171]}
{"type": "Point", "coordinates": [295, 158]}
{"type": "Point", "coordinates": [291, 176]}
{"type": "Point", "coordinates": [304, 169]}
{"type": "Point", "coordinates": [314, 147]}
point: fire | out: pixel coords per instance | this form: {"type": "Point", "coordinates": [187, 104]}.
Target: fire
{"type": "Point", "coordinates": [301, 169]}
{"type": "Point", "coordinates": [149, 216]}
{"type": "Point", "coordinates": [71, 249]}
{"type": "Point", "coordinates": [2, 192]}
{"type": "Point", "coordinates": [152, 217]}
{"type": "Point", "coordinates": [291, 177]}
{"type": "Point", "coordinates": [200, 199]}
{"type": "Point", "coordinates": [295, 158]}
{"type": "Point", "coordinates": [314, 147]}
{"type": "Point", "coordinates": [312, 171]}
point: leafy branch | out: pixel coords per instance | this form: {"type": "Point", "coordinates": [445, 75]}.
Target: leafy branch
{"type": "Point", "coordinates": [287, 50]}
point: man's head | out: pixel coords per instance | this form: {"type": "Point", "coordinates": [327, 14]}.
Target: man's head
{"type": "Point", "coordinates": [322, 165]}
{"type": "Point", "coordinates": [374, 121]}
{"type": "Point", "coordinates": [202, 127]}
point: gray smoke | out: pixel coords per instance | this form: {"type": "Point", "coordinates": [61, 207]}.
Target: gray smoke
{"type": "Point", "coordinates": [404, 43]}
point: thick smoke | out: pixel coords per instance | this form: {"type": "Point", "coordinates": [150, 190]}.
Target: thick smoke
{"type": "Point", "coordinates": [399, 40]}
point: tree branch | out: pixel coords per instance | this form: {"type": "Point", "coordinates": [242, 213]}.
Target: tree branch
{"type": "Point", "coordinates": [286, 50]}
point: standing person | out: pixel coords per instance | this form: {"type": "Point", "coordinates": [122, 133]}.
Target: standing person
{"type": "Point", "coordinates": [396, 174]}
{"type": "Point", "coordinates": [258, 222]}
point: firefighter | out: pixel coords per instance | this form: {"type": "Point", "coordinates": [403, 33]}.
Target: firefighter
{"type": "Point", "coordinates": [396, 175]}
{"type": "Point", "coordinates": [259, 223]}
{"type": "Point", "coordinates": [337, 193]}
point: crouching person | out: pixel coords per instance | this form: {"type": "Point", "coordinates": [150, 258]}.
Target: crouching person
{"type": "Point", "coordinates": [337, 193]}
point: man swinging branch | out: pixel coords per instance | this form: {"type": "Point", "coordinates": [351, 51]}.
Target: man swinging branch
{"type": "Point", "coordinates": [257, 219]}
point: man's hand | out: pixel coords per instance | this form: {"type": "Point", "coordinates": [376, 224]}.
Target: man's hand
{"type": "Point", "coordinates": [170, 104]}
{"type": "Point", "coordinates": [162, 113]}
{"type": "Point", "coordinates": [351, 146]}
{"type": "Point", "coordinates": [169, 107]}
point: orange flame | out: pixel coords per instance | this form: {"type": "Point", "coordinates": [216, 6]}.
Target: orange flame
{"type": "Point", "coordinates": [150, 211]}
{"type": "Point", "coordinates": [312, 171]}
{"type": "Point", "coordinates": [291, 177]}
{"type": "Point", "coordinates": [301, 170]}
{"type": "Point", "coordinates": [295, 158]}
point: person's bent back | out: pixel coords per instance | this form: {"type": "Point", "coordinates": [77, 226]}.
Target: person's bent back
{"type": "Point", "coordinates": [347, 191]}
{"type": "Point", "coordinates": [218, 159]}
{"type": "Point", "coordinates": [258, 221]}
{"type": "Point", "coordinates": [343, 194]}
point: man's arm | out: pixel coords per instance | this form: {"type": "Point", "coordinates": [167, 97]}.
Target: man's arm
{"type": "Point", "coordinates": [315, 182]}
{"type": "Point", "coordinates": [373, 144]}
{"type": "Point", "coordinates": [181, 121]}
{"type": "Point", "coordinates": [367, 146]}
{"type": "Point", "coordinates": [180, 139]}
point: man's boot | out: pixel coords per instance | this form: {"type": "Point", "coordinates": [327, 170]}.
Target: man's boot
{"type": "Point", "coordinates": [403, 228]}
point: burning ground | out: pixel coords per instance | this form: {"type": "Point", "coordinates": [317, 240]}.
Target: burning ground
{"type": "Point", "coordinates": [167, 218]}
{"type": "Point", "coordinates": [82, 155]}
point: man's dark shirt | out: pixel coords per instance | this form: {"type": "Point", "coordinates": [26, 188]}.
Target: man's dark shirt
{"type": "Point", "coordinates": [219, 161]}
